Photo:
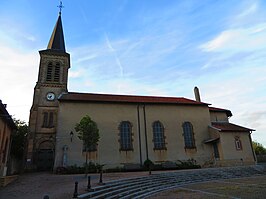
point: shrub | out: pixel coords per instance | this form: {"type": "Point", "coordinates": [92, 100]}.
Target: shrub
{"type": "Point", "coordinates": [74, 169]}
{"type": "Point", "coordinates": [148, 164]}
{"type": "Point", "coordinates": [188, 164]}
{"type": "Point", "coordinates": [61, 170]}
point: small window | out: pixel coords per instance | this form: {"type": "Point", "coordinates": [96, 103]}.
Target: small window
{"type": "Point", "coordinates": [238, 143]}
{"type": "Point", "coordinates": [158, 136]}
{"type": "Point", "coordinates": [48, 120]}
{"type": "Point", "coordinates": [188, 135]}
{"type": "Point", "coordinates": [125, 136]}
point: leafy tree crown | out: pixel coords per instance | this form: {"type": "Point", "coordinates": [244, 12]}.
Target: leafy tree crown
{"type": "Point", "coordinates": [88, 131]}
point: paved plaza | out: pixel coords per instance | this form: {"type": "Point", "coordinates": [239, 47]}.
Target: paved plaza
{"type": "Point", "coordinates": [36, 185]}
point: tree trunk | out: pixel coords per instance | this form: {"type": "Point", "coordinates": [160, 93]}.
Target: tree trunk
{"type": "Point", "coordinates": [86, 164]}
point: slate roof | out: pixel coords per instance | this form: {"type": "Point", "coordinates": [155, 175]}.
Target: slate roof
{"type": "Point", "coordinates": [211, 140]}
{"type": "Point", "coordinates": [229, 127]}
{"type": "Point", "coordinates": [57, 41]}
{"type": "Point", "coordinates": [92, 97]}
{"type": "Point", "coordinates": [214, 109]}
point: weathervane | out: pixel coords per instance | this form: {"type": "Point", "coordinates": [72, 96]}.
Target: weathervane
{"type": "Point", "coordinates": [60, 7]}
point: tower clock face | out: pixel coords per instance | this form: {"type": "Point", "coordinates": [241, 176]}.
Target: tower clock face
{"type": "Point", "coordinates": [50, 96]}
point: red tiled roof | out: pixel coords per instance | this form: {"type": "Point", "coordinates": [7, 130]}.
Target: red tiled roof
{"type": "Point", "coordinates": [228, 112]}
{"type": "Point", "coordinates": [91, 97]}
{"type": "Point", "coordinates": [229, 127]}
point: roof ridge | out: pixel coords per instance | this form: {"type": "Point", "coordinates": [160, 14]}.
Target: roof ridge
{"type": "Point", "coordinates": [99, 97]}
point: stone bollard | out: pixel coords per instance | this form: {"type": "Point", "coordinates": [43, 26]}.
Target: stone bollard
{"type": "Point", "coordinates": [89, 184]}
{"type": "Point", "coordinates": [101, 177]}
{"type": "Point", "coordinates": [75, 194]}
{"type": "Point", "coordinates": [45, 197]}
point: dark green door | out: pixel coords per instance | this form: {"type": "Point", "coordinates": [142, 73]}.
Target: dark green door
{"type": "Point", "coordinates": [216, 151]}
{"type": "Point", "coordinates": [45, 160]}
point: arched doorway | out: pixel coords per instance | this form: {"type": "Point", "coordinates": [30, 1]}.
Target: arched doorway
{"type": "Point", "coordinates": [45, 156]}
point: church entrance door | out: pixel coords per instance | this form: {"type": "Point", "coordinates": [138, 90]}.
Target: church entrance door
{"type": "Point", "coordinates": [45, 156]}
{"type": "Point", "coordinates": [45, 160]}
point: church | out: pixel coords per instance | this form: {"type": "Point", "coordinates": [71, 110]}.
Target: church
{"type": "Point", "coordinates": [132, 128]}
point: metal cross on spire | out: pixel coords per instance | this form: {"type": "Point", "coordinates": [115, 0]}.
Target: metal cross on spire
{"type": "Point", "coordinates": [60, 7]}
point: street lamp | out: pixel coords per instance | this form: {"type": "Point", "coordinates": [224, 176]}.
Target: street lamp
{"type": "Point", "coordinates": [71, 135]}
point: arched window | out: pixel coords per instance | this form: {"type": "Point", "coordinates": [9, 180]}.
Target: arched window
{"type": "Point", "coordinates": [57, 72]}
{"type": "Point", "coordinates": [238, 143]}
{"type": "Point", "coordinates": [53, 72]}
{"type": "Point", "coordinates": [45, 120]}
{"type": "Point", "coordinates": [48, 119]}
{"type": "Point", "coordinates": [188, 135]}
{"type": "Point", "coordinates": [49, 72]}
{"type": "Point", "coordinates": [158, 136]}
{"type": "Point", "coordinates": [125, 136]}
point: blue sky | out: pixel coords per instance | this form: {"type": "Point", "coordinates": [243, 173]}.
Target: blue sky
{"type": "Point", "coordinates": [151, 47]}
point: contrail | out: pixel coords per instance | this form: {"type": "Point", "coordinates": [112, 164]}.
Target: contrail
{"type": "Point", "coordinates": [115, 54]}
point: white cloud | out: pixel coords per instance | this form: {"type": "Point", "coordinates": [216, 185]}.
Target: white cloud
{"type": "Point", "coordinates": [86, 58]}
{"type": "Point", "coordinates": [74, 74]}
{"type": "Point", "coordinates": [17, 80]}
{"type": "Point", "coordinates": [241, 39]}
{"type": "Point", "coordinates": [250, 9]}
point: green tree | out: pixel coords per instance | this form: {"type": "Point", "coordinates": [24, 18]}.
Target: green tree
{"type": "Point", "coordinates": [88, 132]}
{"type": "Point", "coordinates": [258, 148]}
{"type": "Point", "coordinates": [19, 138]}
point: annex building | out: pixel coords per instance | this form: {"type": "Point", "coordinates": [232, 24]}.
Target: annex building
{"type": "Point", "coordinates": [7, 128]}
{"type": "Point", "coordinates": [132, 128]}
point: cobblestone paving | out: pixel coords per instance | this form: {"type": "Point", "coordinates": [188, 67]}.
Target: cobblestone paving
{"type": "Point", "coordinates": [36, 185]}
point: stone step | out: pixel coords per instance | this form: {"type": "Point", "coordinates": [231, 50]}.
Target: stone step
{"type": "Point", "coordinates": [142, 187]}
{"type": "Point", "coordinates": [146, 189]}
{"type": "Point", "coordinates": [113, 186]}
{"type": "Point", "coordinates": [129, 190]}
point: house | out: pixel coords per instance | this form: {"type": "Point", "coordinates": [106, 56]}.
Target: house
{"type": "Point", "coordinates": [7, 126]}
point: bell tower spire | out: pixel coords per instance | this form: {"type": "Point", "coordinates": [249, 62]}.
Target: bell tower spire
{"type": "Point", "coordinates": [57, 41]}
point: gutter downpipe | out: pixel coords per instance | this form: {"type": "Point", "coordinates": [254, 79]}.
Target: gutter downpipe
{"type": "Point", "coordinates": [253, 152]}
{"type": "Point", "coordinates": [140, 152]}
{"type": "Point", "coordinates": [145, 131]}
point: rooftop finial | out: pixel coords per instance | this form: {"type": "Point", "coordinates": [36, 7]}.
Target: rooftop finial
{"type": "Point", "coordinates": [60, 7]}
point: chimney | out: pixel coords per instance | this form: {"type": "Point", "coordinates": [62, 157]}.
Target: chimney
{"type": "Point", "coordinates": [197, 94]}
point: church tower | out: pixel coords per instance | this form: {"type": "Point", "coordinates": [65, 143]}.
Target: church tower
{"type": "Point", "coordinates": [52, 82]}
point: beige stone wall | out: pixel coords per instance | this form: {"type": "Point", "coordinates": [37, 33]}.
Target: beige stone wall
{"type": "Point", "coordinates": [230, 155]}
{"type": "Point", "coordinates": [218, 116]}
{"type": "Point", "coordinates": [108, 118]}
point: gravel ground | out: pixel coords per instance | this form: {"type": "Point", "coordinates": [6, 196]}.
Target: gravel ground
{"type": "Point", "coordinates": [244, 188]}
